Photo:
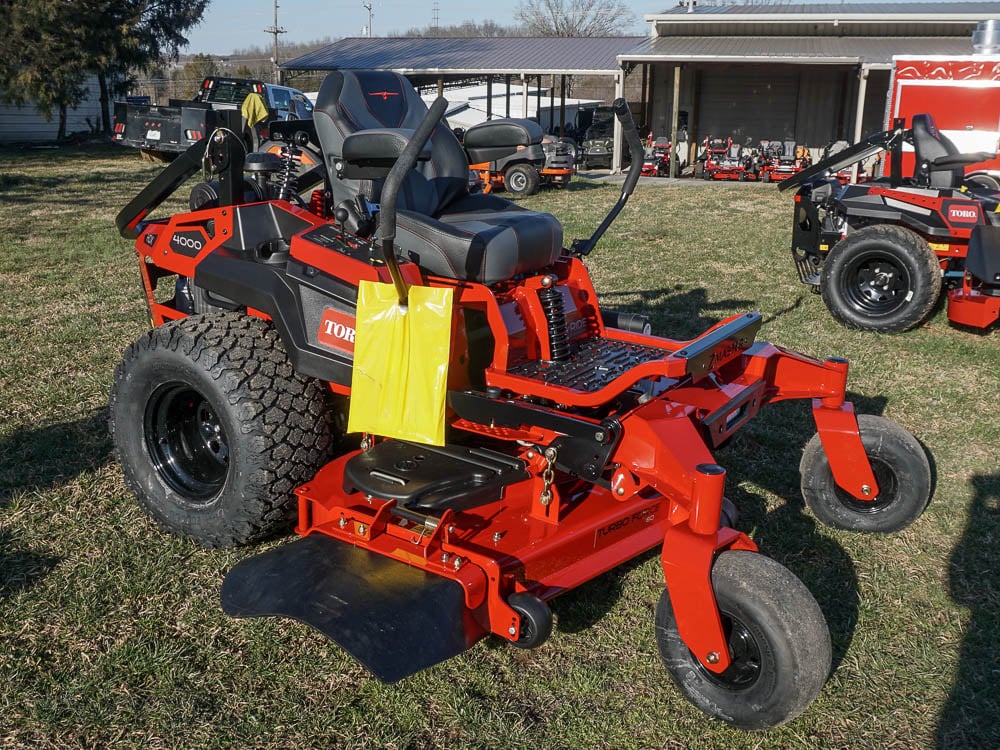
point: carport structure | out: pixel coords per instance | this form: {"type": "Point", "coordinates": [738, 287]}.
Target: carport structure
{"type": "Point", "coordinates": [808, 73]}
{"type": "Point", "coordinates": [509, 63]}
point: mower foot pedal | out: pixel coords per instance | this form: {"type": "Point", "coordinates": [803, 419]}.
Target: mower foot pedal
{"type": "Point", "coordinates": [394, 619]}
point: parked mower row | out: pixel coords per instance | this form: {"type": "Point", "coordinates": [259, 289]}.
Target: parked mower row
{"type": "Point", "coordinates": [574, 440]}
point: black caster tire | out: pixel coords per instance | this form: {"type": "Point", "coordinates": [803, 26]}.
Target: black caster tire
{"type": "Point", "coordinates": [779, 644]}
{"type": "Point", "coordinates": [214, 429]}
{"type": "Point", "coordinates": [901, 469]}
{"type": "Point", "coordinates": [881, 278]}
{"type": "Point", "coordinates": [522, 179]}
{"type": "Point", "coordinates": [536, 619]}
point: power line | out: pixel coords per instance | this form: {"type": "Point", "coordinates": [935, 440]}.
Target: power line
{"type": "Point", "coordinates": [368, 7]}
{"type": "Point", "coordinates": [275, 30]}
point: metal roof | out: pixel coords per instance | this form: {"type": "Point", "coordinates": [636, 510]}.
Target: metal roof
{"type": "Point", "coordinates": [465, 56]}
{"type": "Point", "coordinates": [826, 19]}
{"type": "Point", "coordinates": [938, 11]}
{"type": "Point", "coordinates": [803, 50]}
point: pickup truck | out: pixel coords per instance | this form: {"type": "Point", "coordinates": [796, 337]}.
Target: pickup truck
{"type": "Point", "coordinates": [174, 127]}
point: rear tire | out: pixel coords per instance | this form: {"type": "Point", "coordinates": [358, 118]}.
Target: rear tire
{"type": "Point", "coordinates": [779, 645]}
{"type": "Point", "coordinates": [522, 179]}
{"type": "Point", "coordinates": [901, 469]}
{"type": "Point", "coordinates": [881, 278]}
{"type": "Point", "coordinates": [214, 429]}
{"type": "Point", "coordinates": [984, 180]}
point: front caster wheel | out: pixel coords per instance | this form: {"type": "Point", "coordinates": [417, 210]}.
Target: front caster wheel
{"type": "Point", "coordinates": [536, 619]}
{"type": "Point", "coordinates": [778, 641]}
{"type": "Point", "coordinates": [522, 179]}
{"type": "Point", "coordinates": [901, 470]}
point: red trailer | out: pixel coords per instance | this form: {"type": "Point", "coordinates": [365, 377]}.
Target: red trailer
{"type": "Point", "coordinates": [963, 95]}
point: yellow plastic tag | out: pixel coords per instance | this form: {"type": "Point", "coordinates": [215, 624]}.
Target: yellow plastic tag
{"type": "Point", "coordinates": [400, 376]}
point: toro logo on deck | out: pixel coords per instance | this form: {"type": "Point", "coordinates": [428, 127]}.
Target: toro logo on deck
{"type": "Point", "coordinates": [188, 243]}
{"type": "Point", "coordinates": [962, 213]}
{"type": "Point", "coordinates": [336, 330]}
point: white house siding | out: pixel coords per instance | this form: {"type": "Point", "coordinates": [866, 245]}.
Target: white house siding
{"type": "Point", "coordinates": [25, 125]}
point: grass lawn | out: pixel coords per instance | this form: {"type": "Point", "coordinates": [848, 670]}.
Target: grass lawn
{"type": "Point", "coordinates": [111, 633]}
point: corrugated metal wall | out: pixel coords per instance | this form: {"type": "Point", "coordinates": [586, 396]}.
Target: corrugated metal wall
{"type": "Point", "coordinates": [748, 101]}
{"type": "Point", "coordinates": [25, 125]}
{"type": "Point", "coordinates": [810, 104]}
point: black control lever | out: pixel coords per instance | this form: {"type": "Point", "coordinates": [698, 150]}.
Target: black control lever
{"type": "Point", "coordinates": [624, 115]}
{"type": "Point", "coordinates": [390, 191]}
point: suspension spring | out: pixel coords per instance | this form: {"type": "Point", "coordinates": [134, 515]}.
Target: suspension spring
{"type": "Point", "coordinates": [290, 156]}
{"type": "Point", "coordinates": [555, 319]}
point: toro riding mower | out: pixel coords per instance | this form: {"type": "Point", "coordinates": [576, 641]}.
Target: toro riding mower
{"type": "Point", "coordinates": [781, 160]}
{"type": "Point", "coordinates": [516, 440]}
{"type": "Point", "coordinates": [656, 163]}
{"type": "Point", "coordinates": [725, 160]}
{"type": "Point", "coordinates": [880, 252]}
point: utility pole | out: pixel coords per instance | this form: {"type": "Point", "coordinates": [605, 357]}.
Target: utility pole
{"type": "Point", "coordinates": [368, 7]}
{"type": "Point", "coordinates": [275, 30]}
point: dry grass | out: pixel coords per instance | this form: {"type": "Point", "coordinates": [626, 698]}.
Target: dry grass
{"type": "Point", "coordinates": [111, 634]}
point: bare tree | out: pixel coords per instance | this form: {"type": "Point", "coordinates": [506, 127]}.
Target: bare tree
{"type": "Point", "coordinates": [574, 17]}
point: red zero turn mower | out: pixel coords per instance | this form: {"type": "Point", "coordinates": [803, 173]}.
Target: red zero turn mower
{"type": "Point", "coordinates": [571, 446]}
{"type": "Point", "coordinates": [880, 252]}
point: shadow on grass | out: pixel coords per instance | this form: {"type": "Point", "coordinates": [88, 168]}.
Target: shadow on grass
{"type": "Point", "coordinates": [20, 569]}
{"type": "Point", "coordinates": [44, 457]}
{"type": "Point", "coordinates": [969, 719]}
{"type": "Point", "coordinates": [674, 312]}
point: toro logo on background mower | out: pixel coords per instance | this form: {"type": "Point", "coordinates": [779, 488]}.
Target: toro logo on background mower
{"type": "Point", "coordinates": [336, 330]}
{"type": "Point", "coordinates": [963, 212]}
{"type": "Point", "coordinates": [188, 243]}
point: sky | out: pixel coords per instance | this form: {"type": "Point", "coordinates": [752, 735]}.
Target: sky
{"type": "Point", "coordinates": [237, 24]}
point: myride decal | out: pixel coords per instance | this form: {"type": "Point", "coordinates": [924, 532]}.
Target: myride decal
{"type": "Point", "coordinates": [336, 330]}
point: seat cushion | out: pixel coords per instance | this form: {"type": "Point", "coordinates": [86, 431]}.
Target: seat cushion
{"type": "Point", "coordinates": [482, 238]}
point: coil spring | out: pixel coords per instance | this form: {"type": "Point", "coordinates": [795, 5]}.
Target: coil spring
{"type": "Point", "coordinates": [290, 154]}
{"type": "Point", "coordinates": [555, 318]}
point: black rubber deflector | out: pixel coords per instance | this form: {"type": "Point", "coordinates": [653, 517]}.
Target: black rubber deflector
{"type": "Point", "coordinates": [393, 618]}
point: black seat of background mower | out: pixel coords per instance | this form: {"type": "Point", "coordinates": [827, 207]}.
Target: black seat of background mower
{"type": "Point", "coordinates": [495, 139]}
{"type": "Point", "coordinates": [929, 144]}
{"type": "Point", "coordinates": [439, 226]}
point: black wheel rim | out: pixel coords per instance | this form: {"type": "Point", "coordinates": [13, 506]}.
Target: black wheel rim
{"type": "Point", "coordinates": [744, 657]}
{"type": "Point", "coordinates": [876, 284]}
{"type": "Point", "coordinates": [888, 486]}
{"type": "Point", "coordinates": [186, 441]}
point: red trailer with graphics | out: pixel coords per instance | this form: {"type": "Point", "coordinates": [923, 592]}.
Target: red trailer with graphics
{"type": "Point", "coordinates": [963, 95]}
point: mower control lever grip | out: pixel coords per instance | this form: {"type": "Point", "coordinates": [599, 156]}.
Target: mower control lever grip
{"type": "Point", "coordinates": [390, 192]}
{"type": "Point", "coordinates": [624, 115]}
{"type": "Point", "coordinates": [406, 161]}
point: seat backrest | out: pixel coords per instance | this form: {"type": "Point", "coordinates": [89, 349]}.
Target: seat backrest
{"type": "Point", "coordinates": [929, 144]}
{"type": "Point", "coordinates": [353, 100]}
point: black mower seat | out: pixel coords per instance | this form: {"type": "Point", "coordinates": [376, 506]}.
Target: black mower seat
{"type": "Point", "coordinates": [439, 225]}
{"type": "Point", "coordinates": [481, 238]}
{"type": "Point", "coordinates": [929, 144]}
